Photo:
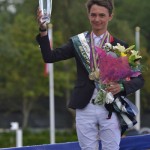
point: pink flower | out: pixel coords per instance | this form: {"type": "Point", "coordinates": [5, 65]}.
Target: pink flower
{"type": "Point", "coordinates": [113, 68]}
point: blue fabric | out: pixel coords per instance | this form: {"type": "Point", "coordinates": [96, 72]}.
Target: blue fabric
{"type": "Point", "coordinates": [130, 112]}
{"type": "Point", "coordinates": [140, 142]}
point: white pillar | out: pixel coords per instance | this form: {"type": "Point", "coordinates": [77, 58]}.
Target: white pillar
{"type": "Point", "coordinates": [18, 138]}
{"type": "Point", "coordinates": [15, 127]}
{"type": "Point", "coordinates": [137, 94]}
{"type": "Point", "coordinates": [51, 92]}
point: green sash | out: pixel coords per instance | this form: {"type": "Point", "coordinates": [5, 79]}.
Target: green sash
{"type": "Point", "coordinates": [82, 47]}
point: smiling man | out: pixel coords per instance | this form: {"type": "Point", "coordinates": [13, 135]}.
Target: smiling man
{"type": "Point", "coordinates": [99, 17]}
{"type": "Point", "coordinates": [92, 123]}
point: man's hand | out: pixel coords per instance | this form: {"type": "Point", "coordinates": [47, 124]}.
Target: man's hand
{"type": "Point", "coordinates": [113, 87]}
{"type": "Point", "coordinates": [42, 25]}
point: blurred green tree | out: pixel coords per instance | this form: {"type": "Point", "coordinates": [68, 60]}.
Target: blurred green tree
{"type": "Point", "coordinates": [21, 67]}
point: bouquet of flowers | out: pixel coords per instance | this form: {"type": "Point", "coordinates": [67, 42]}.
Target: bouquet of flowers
{"type": "Point", "coordinates": [117, 63]}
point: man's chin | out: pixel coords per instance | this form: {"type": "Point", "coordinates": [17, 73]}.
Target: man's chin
{"type": "Point", "coordinates": [97, 29]}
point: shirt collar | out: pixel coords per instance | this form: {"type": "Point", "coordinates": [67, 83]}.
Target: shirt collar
{"type": "Point", "coordinates": [99, 37]}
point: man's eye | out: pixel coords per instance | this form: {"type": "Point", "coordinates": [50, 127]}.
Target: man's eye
{"type": "Point", "coordinates": [102, 15]}
{"type": "Point", "coordinates": [93, 15]}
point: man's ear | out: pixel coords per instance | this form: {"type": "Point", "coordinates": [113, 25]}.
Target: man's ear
{"type": "Point", "coordinates": [111, 17]}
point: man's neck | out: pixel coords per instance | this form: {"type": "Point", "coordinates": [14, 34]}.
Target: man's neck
{"type": "Point", "coordinates": [98, 32]}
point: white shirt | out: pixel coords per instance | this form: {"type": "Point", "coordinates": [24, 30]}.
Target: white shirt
{"type": "Point", "coordinates": [97, 42]}
{"type": "Point", "coordinates": [97, 39]}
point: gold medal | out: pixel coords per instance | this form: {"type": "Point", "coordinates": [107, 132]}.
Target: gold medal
{"type": "Point", "coordinates": [94, 75]}
{"type": "Point", "coordinates": [91, 76]}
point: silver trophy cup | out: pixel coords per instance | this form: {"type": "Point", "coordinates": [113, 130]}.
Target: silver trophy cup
{"type": "Point", "coordinates": [46, 8]}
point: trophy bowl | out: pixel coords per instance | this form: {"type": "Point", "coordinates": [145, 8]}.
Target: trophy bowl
{"type": "Point", "coordinates": [46, 8]}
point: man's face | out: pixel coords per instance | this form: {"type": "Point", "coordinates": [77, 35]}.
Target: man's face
{"type": "Point", "coordinates": [99, 18]}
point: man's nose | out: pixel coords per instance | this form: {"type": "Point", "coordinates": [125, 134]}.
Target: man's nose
{"type": "Point", "coordinates": [97, 18]}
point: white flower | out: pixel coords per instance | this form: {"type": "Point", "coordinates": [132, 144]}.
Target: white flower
{"type": "Point", "coordinates": [109, 98]}
{"type": "Point", "coordinates": [135, 54]}
{"type": "Point", "coordinates": [119, 47]}
{"type": "Point", "coordinates": [107, 47]}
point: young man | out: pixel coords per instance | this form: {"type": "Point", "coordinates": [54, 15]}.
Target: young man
{"type": "Point", "coordinates": [92, 124]}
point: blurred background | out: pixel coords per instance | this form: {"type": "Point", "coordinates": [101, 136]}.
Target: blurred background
{"type": "Point", "coordinates": [24, 87]}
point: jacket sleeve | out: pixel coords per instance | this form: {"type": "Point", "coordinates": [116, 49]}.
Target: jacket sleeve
{"type": "Point", "coordinates": [49, 56]}
{"type": "Point", "coordinates": [133, 85]}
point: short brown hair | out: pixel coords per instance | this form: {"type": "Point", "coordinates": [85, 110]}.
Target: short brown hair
{"type": "Point", "coordinates": [105, 3]}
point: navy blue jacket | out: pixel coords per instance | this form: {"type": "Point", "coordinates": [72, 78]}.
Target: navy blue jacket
{"type": "Point", "coordinates": [84, 87]}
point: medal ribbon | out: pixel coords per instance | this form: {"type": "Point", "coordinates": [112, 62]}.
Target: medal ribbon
{"type": "Point", "coordinates": [93, 58]}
